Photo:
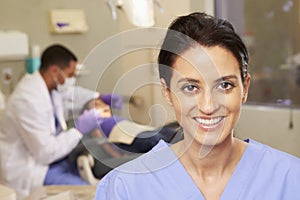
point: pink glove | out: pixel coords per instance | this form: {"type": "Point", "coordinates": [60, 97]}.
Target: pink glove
{"type": "Point", "coordinates": [113, 100]}
{"type": "Point", "coordinates": [88, 120]}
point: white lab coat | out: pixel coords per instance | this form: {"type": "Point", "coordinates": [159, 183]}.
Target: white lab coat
{"type": "Point", "coordinates": [28, 143]}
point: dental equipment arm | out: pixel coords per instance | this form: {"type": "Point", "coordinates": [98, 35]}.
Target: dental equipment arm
{"type": "Point", "coordinates": [140, 13]}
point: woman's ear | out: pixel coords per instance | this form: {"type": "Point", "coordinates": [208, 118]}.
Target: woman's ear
{"type": "Point", "coordinates": [166, 92]}
{"type": "Point", "coordinates": [246, 88]}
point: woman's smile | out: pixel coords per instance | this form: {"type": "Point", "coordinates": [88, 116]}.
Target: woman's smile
{"type": "Point", "coordinates": [209, 124]}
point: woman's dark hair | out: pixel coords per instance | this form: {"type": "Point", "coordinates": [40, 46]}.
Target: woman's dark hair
{"type": "Point", "coordinates": [57, 55]}
{"type": "Point", "coordinates": [199, 28]}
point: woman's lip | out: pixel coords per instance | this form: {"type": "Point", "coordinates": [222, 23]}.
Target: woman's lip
{"type": "Point", "coordinates": [208, 121]}
{"type": "Point", "coordinates": [209, 124]}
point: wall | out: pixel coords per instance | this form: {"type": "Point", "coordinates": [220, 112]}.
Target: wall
{"type": "Point", "coordinates": [31, 17]}
{"type": "Point", "coordinates": [141, 61]}
{"type": "Point", "coordinates": [272, 126]}
{"type": "Point", "coordinates": [155, 111]}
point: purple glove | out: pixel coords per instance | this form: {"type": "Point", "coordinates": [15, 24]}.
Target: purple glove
{"type": "Point", "coordinates": [88, 120]}
{"type": "Point", "coordinates": [113, 100]}
{"type": "Point", "coordinates": [109, 123]}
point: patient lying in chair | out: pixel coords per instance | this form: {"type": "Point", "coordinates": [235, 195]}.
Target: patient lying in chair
{"type": "Point", "coordinates": [117, 140]}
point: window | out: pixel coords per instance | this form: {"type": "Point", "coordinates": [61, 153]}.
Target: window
{"type": "Point", "coordinates": [271, 31]}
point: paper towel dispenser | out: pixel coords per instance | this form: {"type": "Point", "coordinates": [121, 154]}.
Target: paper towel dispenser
{"type": "Point", "coordinates": [14, 45]}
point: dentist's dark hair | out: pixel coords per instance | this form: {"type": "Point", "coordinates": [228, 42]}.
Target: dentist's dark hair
{"type": "Point", "coordinates": [56, 55]}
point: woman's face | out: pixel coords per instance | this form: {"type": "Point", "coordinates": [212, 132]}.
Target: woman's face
{"type": "Point", "coordinates": [207, 92]}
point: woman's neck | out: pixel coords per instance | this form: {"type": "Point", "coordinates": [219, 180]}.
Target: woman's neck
{"type": "Point", "coordinates": [211, 172]}
{"type": "Point", "coordinates": [208, 161]}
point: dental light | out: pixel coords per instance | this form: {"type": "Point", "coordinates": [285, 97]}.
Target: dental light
{"type": "Point", "coordinates": [139, 12]}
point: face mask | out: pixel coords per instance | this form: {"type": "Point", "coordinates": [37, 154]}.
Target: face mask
{"type": "Point", "coordinates": [69, 83]}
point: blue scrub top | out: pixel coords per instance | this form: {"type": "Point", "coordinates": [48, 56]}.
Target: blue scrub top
{"type": "Point", "coordinates": [262, 173]}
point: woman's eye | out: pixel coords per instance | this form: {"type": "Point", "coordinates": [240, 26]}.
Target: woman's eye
{"type": "Point", "coordinates": [189, 88]}
{"type": "Point", "coordinates": [225, 86]}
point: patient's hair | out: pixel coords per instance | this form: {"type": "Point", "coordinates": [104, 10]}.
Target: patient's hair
{"type": "Point", "coordinates": [93, 103]}
{"type": "Point", "coordinates": [57, 55]}
{"type": "Point", "coordinates": [194, 29]}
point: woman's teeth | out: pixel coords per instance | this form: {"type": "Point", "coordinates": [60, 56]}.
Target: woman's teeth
{"type": "Point", "coordinates": [209, 121]}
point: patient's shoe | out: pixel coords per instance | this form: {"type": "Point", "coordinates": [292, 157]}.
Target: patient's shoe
{"type": "Point", "coordinates": [85, 164]}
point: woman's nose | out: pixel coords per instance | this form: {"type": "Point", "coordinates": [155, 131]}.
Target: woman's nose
{"type": "Point", "coordinates": [208, 103]}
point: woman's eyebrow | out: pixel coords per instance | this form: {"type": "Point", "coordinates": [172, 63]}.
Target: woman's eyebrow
{"type": "Point", "coordinates": [188, 80]}
{"type": "Point", "coordinates": [198, 81]}
{"type": "Point", "coordinates": [226, 78]}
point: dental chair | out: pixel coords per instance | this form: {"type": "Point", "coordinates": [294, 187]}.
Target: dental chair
{"type": "Point", "coordinates": [93, 162]}
{"type": "Point", "coordinates": [85, 163]}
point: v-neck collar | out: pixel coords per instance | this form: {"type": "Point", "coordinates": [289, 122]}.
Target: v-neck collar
{"type": "Point", "coordinates": [244, 171]}
{"type": "Point", "coordinates": [176, 174]}
{"type": "Point", "coordinates": [237, 182]}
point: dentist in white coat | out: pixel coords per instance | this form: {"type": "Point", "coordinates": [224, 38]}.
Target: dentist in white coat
{"type": "Point", "coordinates": [33, 132]}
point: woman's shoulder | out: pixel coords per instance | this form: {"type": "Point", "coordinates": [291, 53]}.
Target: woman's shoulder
{"type": "Point", "coordinates": [140, 172]}
{"type": "Point", "coordinates": [271, 156]}
{"type": "Point", "coordinates": [159, 156]}
{"type": "Point", "coordinates": [270, 173]}
{"type": "Point", "coordinates": [157, 160]}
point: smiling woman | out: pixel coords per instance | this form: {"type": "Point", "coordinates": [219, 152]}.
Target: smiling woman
{"type": "Point", "coordinates": [207, 93]}
{"type": "Point", "coordinates": [203, 71]}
